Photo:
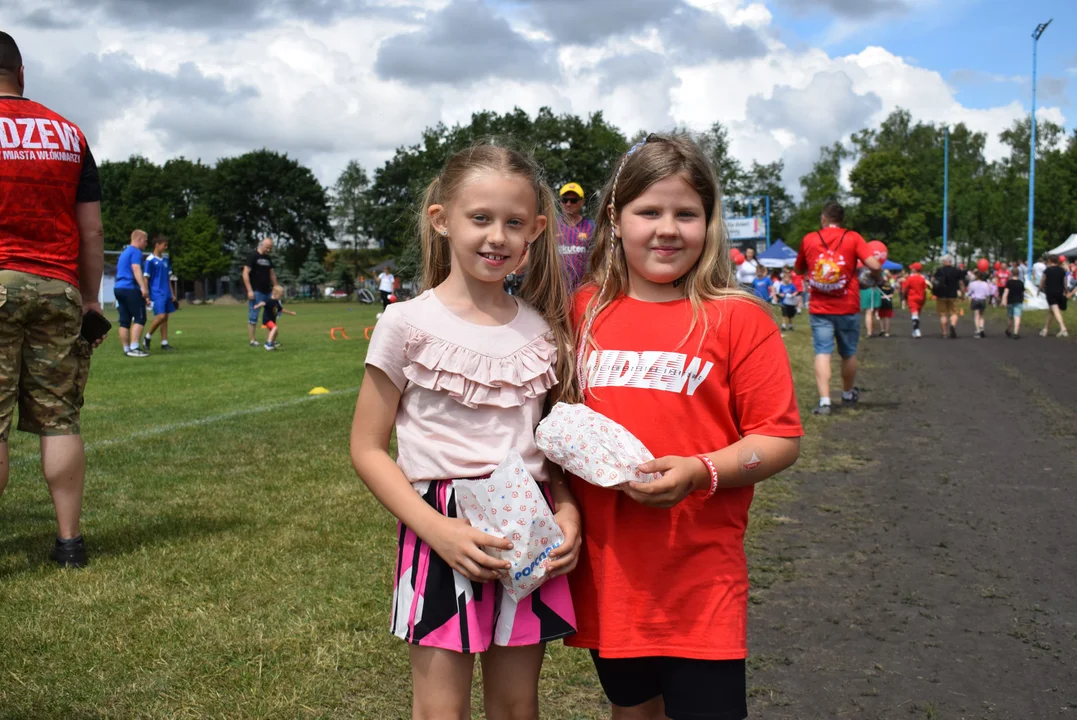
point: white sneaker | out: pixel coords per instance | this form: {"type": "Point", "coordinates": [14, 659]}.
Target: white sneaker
{"type": "Point", "coordinates": [255, 343]}
{"type": "Point", "coordinates": [1062, 333]}
{"type": "Point", "coordinates": [137, 353]}
{"type": "Point", "coordinates": [270, 347]}
{"type": "Point", "coordinates": [916, 333]}
{"type": "Point", "coordinates": [1043, 333]}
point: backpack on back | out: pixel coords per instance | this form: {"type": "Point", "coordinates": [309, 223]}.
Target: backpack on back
{"type": "Point", "coordinates": [828, 275]}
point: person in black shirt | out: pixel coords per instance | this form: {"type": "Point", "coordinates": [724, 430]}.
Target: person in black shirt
{"type": "Point", "coordinates": [1013, 296]}
{"type": "Point", "coordinates": [1053, 285]}
{"type": "Point", "coordinates": [259, 277]}
{"type": "Point", "coordinates": [948, 285]}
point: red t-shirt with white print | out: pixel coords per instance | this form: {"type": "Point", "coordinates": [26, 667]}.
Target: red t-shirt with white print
{"type": "Point", "coordinates": [674, 582]}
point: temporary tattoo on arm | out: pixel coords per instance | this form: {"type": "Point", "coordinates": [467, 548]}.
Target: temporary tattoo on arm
{"type": "Point", "coordinates": [750, 459]}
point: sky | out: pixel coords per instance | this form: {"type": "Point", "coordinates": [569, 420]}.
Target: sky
{"type": "Point", "coordinates": [328, 81]}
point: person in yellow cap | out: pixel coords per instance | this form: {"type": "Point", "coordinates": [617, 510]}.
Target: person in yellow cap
{"type": "Point", "coordinates": [575, 234]}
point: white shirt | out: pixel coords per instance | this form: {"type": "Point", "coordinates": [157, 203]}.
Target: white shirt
{"type": "Point", "coordinates": [385, 282]}
{"type": "Point", "coordinates": [746, 272]}
{"type": "Point", "coordinates": [1037, 272]}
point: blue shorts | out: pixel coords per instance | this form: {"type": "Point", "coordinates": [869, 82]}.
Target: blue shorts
{"type": "Point", "coordinates": [1013, 311]}
{"type": "Point", "coordinates": [163, 305]}
{"type": "Point", "coordinates": [132, 306]}
{"type": "Point", "coordinates": [252, 314]}
{"type": "Point", "coordinates": [825, 329]}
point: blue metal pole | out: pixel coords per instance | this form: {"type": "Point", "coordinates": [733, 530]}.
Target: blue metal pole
{"type": "Point", "coordinates": [1032, 154]}
{"type": "Point", "coordinates": [768, 220]}
{"type": "Point", "coordinates": [946, 192]}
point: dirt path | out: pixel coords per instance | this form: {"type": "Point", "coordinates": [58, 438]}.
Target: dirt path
{"type": "Point", "coordinates": [933, 572]}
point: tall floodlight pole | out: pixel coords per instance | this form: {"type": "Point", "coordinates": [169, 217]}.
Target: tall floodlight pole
{"type": "Point", "coordinates": [1032, 144]}
{"type": "Point", "coordinates": [946, 191]}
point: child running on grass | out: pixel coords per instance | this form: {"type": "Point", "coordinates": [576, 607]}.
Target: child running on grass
{"type": "Point", "coordinates": [790, 296]}
{"type": "Point", "coordinates": [272, 308]}
{"type": "Point", "coordinates": [463, 372]}
{"type": "Point", "coordinates": [661, 591]}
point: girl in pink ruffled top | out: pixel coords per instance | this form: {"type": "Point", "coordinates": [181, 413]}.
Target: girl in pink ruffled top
{"type": "Point", "coordinates": [464, 372]}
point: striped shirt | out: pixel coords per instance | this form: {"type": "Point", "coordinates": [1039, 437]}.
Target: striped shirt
{"type": "Point", "coordinates": [575, 242]}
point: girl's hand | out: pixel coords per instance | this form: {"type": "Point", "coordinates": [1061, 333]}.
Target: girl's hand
{"type": "Point", "coordinates": [567, 555]}
{"type": "Point", "coordinates": [681, 476]}
{"type": "Point", "coordinates": [461, 546]}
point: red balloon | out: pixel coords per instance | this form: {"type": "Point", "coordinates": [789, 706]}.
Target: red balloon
{"type": "Point", "coordinates": [392, 298]}
{"type": "Point", "coordinates": [1062, 258]}
{"type": "Point", "coordinates": [733, 252]}
{"type": "Point", "coordinates": [983, 264]}
{"type": "Point", "coordinates": [878, 249]}
{"type": "Point", "coordinates": [998, 265]}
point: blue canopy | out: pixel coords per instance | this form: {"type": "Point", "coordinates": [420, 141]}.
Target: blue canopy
{"type": "Point", "coordinates": [891, 265]}
{"type": "Point", "coordinates": [778, 255]}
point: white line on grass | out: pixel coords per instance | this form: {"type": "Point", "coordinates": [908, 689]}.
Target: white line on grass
{"type": "Point", "coordinates": [208, 420]}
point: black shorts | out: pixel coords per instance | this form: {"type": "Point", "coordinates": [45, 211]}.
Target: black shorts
{"type": "Point", "coordinates": [789, 311]}
{"type": "Point", "coordinates": [690, 689]}
{"type": "Point", "coordinates": [978, 304]}
{"type": "Point", "coordinates": [132, 306]}
{"type": "Point", "coordinates": [1057, 299]}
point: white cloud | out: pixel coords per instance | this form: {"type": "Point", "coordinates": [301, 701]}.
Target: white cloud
{"type": "Point", "coordinates": [311, 88]}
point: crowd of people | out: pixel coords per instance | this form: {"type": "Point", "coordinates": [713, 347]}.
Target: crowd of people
{"type": "Point", "coordinates": [1003, 286]}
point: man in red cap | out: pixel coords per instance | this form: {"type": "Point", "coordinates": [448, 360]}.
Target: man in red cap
{"type": "Point", "coordinates": [915, 295]}
{"type": "Point", "coordinates": [575, 234]}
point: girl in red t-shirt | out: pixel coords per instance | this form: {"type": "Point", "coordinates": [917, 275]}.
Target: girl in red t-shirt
{"type": "Point", "coordinates": [696, 369]}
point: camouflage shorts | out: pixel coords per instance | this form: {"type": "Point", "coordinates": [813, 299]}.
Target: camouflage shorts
{"type": "Point", "coordinates": [43, 360]}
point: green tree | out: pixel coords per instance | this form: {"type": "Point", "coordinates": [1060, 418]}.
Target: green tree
{"type": "Point", "coordinates": [196, 247]}
{"type": "Point", "coordinates": [569, 148]}
{"type": "Point", "coordinates": [767, 180]}
{"type": "Point", "coordinates": [267, 194]}
{"type": "Point", "coordinates": [312, 274]}
{"type": "Point", "coordinates": [342, 275]}
{"type": "Point", "coordinates": [348, 205]}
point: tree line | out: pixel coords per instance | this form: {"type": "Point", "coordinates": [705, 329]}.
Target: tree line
{"type": "Point", "coordinates": [215, 215]}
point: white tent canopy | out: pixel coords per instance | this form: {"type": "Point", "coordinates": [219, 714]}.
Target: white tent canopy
{"type": "Point", "coordinates": [1067, 248]}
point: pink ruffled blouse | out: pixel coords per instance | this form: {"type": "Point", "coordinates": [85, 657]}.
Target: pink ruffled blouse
{"type": "Point", "coordinates": [469, 393]}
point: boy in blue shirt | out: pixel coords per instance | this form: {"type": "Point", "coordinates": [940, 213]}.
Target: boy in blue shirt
{"type": "Point", "coordinates": [158, 271]}
{"type": "Point", "coordinates": [131, 292]}
{"type": "Point", "coordinates": [790, 299]}
{"type": "Point", "coordinates": [761, 285]}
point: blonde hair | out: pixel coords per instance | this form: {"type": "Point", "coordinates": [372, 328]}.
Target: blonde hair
{"type": "Point", "coordinates": [543, 287]}
{"type": "Point", "coordinates": [278, 290]}
{"type": "Point", "coordinates": [652, 160]}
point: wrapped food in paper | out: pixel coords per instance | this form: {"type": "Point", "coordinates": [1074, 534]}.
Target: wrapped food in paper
{"type": "Point", "coordinates": [591, 446]}
{"type": "Point", "coordinates": [510, 504]}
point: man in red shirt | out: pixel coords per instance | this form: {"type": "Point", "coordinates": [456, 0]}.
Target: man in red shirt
{"type": "Point", "coordinates": [915, 295]}
{"type": "Point", "coordinates": [51, 259]}
{"type": "Point", "coordinates": [827, 259]}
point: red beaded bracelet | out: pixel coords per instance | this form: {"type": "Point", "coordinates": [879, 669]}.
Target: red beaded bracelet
{"type": "Point", "coordinates": [713, 471]}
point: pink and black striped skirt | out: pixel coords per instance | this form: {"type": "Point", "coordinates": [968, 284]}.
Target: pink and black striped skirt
{"type": "Point", "coordinates": [435, 606]}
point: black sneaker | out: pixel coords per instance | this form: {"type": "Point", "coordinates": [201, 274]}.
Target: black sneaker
{"type": "Point", "coordinates": [167, 348]}
{"type": "Point", "coordinates": [821, 410]}
{"type": "Point", "coordinates": [146, 342]}
{"type": "Point", "coordinates": [69, 553]}
{"type": "Point", "coordinates": [953, 333]}
{"type": "Point", "coordinates": [1015, 336]}
{"type": "Point", "coordinates": [853, 400]}
{"type": "Point", "coordinates": [1009, 333]}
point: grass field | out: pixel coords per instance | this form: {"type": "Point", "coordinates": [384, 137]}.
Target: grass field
{"type": "Point", "coordinates": [239, 569]}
